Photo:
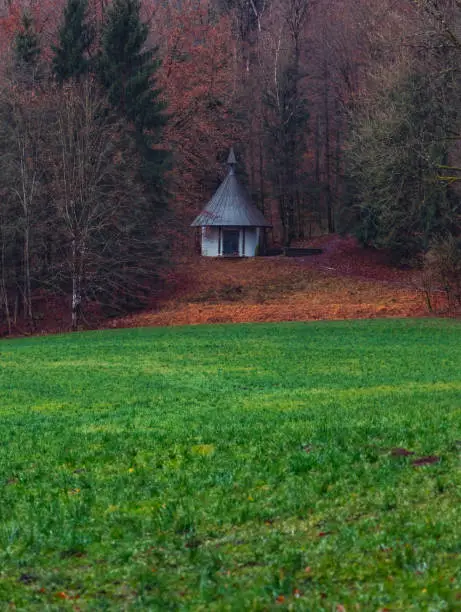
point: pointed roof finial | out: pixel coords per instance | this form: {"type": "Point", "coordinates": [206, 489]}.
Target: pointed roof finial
{"type": "Point", "coordinates": [231, 204]}
{"type": "Point", "coordinates": [232, 160]}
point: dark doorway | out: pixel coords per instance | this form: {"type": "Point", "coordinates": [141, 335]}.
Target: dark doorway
{"type": "Point", "coordinates": [230, 242]}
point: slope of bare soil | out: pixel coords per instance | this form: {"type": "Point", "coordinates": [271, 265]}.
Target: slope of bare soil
{"type": "Point", "coordinates": [344, 282]}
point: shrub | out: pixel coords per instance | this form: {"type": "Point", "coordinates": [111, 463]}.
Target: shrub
{"type": "Point", "coordinates": [442, 268]}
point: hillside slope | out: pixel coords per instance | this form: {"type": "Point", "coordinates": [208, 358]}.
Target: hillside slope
{"type": "Point", "coordinates": [344, 282]}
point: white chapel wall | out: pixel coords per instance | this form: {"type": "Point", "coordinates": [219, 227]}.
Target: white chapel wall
{"type": "Point", "coordinates": [210, 241]}
{"type": "Point", "coordinates": [251, 241]}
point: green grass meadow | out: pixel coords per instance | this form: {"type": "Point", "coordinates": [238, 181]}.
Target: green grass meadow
{"type": "Point", "coordinates": [244, 467]}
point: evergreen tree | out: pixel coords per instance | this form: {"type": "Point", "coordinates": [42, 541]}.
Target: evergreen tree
{"type": "Point", "coordinates": [396, 150]}
{"type": "Point", "coordinates": [75, 38]}
{"type": "Point", "coordinates": [127, 71]}
{"type": "Point", "coordinates": [26, 43]}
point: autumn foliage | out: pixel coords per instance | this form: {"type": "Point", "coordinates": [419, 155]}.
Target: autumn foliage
{"type": "Point", "coordinates": [285, 82]}
{"type": "Point", "coordinates": [344, 282]}
{"type": "Point", "coordinates": [199, 81]}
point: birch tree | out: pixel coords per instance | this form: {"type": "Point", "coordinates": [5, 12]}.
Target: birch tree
{"type": "Point", "coordinates": [286, 114]}
{"type": "Point", "coordinates": [107, 223]}
{"type": "Point", "coordinates": [24, 121]}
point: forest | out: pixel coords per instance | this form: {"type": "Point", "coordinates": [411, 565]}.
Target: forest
{"type": "Point", "coordinates": [116, 117]}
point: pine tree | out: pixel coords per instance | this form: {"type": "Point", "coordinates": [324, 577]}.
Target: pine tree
{"type": "Point", "coordinates": [75, 38]}
{"type": "Point", "coordinates": [26, 43]}
{"type": "Point", "coordinates": [396, 150]}
{"type": "Point", "coordinates": [127, 71]}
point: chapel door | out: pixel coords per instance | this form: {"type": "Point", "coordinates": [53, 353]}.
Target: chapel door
{"type": "Point", "coordinates": [230, 242]}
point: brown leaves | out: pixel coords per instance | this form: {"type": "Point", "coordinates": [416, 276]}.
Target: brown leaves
{"type": "Point", "coordinates": [429, 460]}
{"type": "Point", "coordinates": [198, 79]}
{"type": "Point", "coordinates": [275, 289]}
{"type": "Point", "coordinates": [401, 452]}
{"type": "Point", "coordinates": [281, 599]}
{"type": "Point", "coordinates": [67, 596]}
{"type": "Point", "coordinates": [278, 289]}
{"type": "Point", "coordinates": [421, 461]}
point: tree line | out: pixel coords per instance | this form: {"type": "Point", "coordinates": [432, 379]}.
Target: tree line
{"type": "Point", "coordinates": [81, 177]}
{"type": "Point", "coordinates": [402, 168]}
{"type": "Point", "coordinates": [116, 116]}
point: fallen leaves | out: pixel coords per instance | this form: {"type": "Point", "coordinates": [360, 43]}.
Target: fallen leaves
{"type": "Point", "coordinates": [401, 452]}
{"type": "Point", "coordinates": [275, 289]}
{"type": "Point", "coordinates": [67, 596]}
{"type": "Point", "coordinates": [324, 305]}
{"type": "Point", "coordinates": [421, 461]}
{"type": "Point", "coordinates": [429, 460]}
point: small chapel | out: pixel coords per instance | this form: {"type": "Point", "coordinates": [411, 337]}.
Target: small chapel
{"type": "Point", "coordinates": [230, 224]}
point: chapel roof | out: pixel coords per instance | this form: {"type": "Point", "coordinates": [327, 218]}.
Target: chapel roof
{"type": "Point", "coordinates": [231, 205]}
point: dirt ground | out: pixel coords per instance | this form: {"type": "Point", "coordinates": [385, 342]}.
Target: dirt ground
{"type": "Point", "coordinates": [344, 282]}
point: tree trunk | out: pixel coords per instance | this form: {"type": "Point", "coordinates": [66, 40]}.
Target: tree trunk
{"type": "Point", "coordinates": [328, 190]}
{"type": "Point", "coordinates": [27, 291]}
{"type": "Point", "coordinates": [76, 286]}
{"type": "Point", "coordinates": [261, 177]}
{"type": "Point", "coordinates": [5, 290]}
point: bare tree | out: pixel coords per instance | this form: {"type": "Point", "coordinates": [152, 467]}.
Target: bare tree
{"type": "Point", "coordinates": [285, 111]}
{"type": "Point", "coordinates": [24, 122]}
{"type": "Point", "coordinates": [98, 200]}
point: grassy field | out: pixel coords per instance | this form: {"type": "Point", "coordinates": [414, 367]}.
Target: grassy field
{"type": "Point", "coordinates": [251, 467]}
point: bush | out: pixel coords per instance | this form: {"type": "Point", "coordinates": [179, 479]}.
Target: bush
{"type": "Point", "coordinates": [442, 268]}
